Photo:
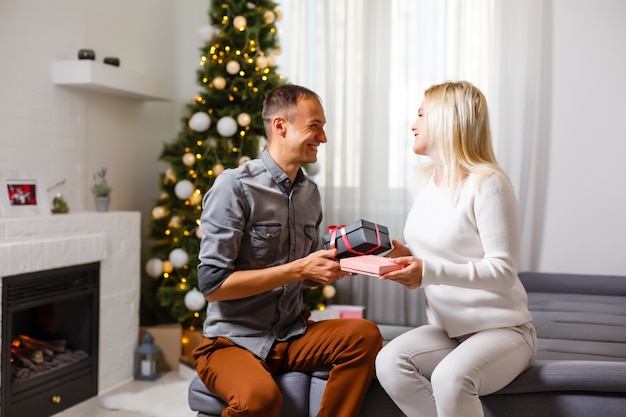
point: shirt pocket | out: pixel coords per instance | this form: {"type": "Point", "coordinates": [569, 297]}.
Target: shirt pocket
{"type": "Point", "coordinates": [265, 243]}
{"type": "Point", "coordinates": [310, 232]}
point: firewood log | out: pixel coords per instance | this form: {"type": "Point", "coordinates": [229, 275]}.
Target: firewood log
{"type": "Point", "coordinates": [55, 345]}
{"type": "Point", "coordinates": [29, 344]}
{"type": "Point", "coordinates": [19, 359]}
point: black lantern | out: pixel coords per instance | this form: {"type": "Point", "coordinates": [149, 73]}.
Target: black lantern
{"type": "Point", "coordinates": [148, 359]}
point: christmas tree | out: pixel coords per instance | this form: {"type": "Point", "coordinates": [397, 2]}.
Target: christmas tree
{"type": "Point", "coordinates": [223, 129]}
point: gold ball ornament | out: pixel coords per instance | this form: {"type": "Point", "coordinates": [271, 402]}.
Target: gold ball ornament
{"type": "Point", "coordinates": [269, 17]}
{"type": "Point", "coordinates": [159, 212]}
{"type": "Point", "coordinates": [199, 233]}
{"type": "Point", "coordinates": [329, 291]}
{"type": "Point", "coordinates": [240, 23]}
{"type": "Point", "coordinates": [218, 169]}
{"type": "Point", "coordinates": [261, 62]}
{"type": "Point", "coordinates": [195, 198]}
{"type": "Point", "coordinates": [170, 176]}
{"type": "Point", "coordinates": [167, 266]}
{"type": "Point", "coordinates": [232, 67]}
{"type": "Point", "coordinates": [219, 83]}
{"type": "Point", "coordinates": [189, 159]}
{"type": "Point", "coordinates": [244, 119]}
{"type": "Point", "coordinates": [175, 222]}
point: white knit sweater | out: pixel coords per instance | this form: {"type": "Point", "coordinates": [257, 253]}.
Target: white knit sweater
{"type": "Point", "coordinates": [470, 251]}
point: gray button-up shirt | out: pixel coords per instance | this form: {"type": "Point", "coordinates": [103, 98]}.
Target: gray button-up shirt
{"type": "Point", "coordinates": [253, 218]}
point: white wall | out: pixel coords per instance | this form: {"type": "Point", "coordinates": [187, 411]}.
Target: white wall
{"type": "Point", "coordinates": [59, 133]}
{"type": "Point", "coordinates": [68, 134]}
{"type": "Point", "coordinates": [585, 215]}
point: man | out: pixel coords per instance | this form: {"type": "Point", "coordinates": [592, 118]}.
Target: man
{"type": "Point", "coordinates": [261, 223]}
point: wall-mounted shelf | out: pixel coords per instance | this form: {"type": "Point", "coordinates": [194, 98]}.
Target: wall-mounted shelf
{"type": "Point", "coordinates": [95, 76]}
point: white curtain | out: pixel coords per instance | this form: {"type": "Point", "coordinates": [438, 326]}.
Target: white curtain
{"type": "Point", "coordinates": [371, 61]}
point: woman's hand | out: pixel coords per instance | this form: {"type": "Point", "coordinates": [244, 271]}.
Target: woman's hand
{"type": "Point", "coordinates": [398, 250]}
{"type": "Point", "coordinates": [410, 275]}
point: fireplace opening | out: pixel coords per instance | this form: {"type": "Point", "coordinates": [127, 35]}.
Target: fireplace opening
{"type": "Point", "coordinates": [49, 340]}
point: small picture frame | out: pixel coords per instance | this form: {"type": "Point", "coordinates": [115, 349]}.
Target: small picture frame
{"type": "Point", "coordinates": [22, 195]}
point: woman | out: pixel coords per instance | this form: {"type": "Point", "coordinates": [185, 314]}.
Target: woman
{"type": "Point", "coordinates": [462, 247]}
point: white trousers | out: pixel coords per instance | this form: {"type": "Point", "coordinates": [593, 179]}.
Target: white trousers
{"type": "Point", "coordinates": [428, 374]}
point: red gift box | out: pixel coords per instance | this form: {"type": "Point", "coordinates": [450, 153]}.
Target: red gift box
{"type": "Point", "coordinates": [369, 265]}
{"type": "Point", "coordinates": [358, 238]}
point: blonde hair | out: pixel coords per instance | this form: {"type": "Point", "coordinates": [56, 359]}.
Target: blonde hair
{"type": "Point", "coordinates": [459, 136]}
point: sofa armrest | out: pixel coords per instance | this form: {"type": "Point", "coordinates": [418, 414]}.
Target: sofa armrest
{"type": "Point", "coordinates": [562, 375]}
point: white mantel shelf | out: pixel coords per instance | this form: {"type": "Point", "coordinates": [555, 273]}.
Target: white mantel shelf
{"type": "Point", "coordinates": [91, 75]}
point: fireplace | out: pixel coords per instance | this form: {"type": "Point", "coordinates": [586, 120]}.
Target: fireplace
{"type": "Point", "coordinates": [56, 308]}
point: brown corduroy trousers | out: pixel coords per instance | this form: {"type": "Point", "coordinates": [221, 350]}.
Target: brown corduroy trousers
{"type": "Point", "coordinates": [348, 346]}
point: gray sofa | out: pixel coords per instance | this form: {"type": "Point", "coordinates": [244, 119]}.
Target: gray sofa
{"type": "Point", "coordinates": [580, 369]}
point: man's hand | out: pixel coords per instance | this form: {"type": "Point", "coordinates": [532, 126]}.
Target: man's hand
{"type": "Point", "coordinates": [321, 267]}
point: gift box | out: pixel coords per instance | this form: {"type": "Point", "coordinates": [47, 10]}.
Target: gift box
{"type": "Point", "coordinates": [358, 238]}
{"type": "Point", "coordinates": [369, 265]}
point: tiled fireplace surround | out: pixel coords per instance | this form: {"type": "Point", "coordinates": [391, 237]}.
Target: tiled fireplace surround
{"type": "Point", "coordinates": [30, 244]}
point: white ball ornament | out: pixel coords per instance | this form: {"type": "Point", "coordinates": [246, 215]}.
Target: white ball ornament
{"type": "Point", "coordinates": [232, 67]}
{"type": "Point", "coordinates": [154, 267]}
{"type": "Point", "coordinates": [244, 119]}
{"type": "Point", "coordinates": [219, 83]}
{"type": "Point", "coordinates": [250, 5]}
{"type": "Point", "coordinates": [205, 32]}
{"type": "Point", "coordinates": [194, 300]}
{"type": "Point", "coordinates": [199, 122]}
{"type": "Point", "coordinates": [184, 189]}
{"type": "Point", "coordinates": [226, 126]}
{"type": "Point", "coordinates": [211, 143]}
{"type": "Point", "coordinates": [312, 169]}
{"type": "Point", "coordinates": [243, 160]}
{"type": "Point", "coordinates": [240, 23]}
{"type": "Point", "coordinates": [189, 159]}
{"type": "Point", "coordinates": [178, 257]}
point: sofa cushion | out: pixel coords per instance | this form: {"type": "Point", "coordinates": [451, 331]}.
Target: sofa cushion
{"type": "Point", "coordinates": [295, 387]}
{"type": "Point", "coordinates": [563, 375]}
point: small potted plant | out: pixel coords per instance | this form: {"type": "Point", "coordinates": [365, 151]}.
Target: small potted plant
{"type": "Point", "coordinates": [101, 190]}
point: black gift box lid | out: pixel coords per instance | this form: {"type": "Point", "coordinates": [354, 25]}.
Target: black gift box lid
{"type": "Point", "coordinates": [362, 238]}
